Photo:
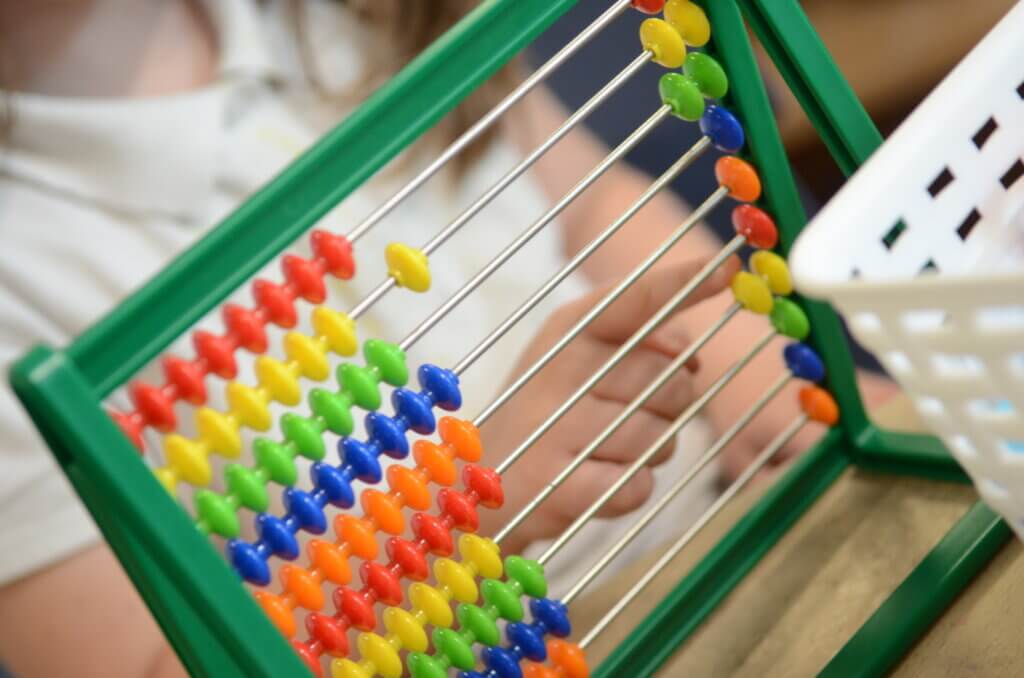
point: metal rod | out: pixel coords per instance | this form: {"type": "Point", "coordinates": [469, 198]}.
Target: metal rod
{"type": "Point", "coordinates": [474, 132]}
{"type": "Point", "coordinates": [709, 455]}
{"type": "Point", "coordinates": [626, 413]}
{"type": "Point", "coordinates": [682, 420]}
{"type": "Point", "coordinates": [752, 470]}
{"type": "Point", "coordinates": [684, 161]}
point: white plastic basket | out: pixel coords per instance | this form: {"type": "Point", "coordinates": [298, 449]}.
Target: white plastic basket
{"type": "Point", "coordinates": [923, 253]}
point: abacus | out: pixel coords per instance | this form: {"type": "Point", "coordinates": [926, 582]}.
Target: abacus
{"type": "Point", "coordinates": [221, 605]}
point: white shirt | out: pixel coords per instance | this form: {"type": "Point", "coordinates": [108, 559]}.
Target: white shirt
{"type": "Point", "coordinates": [96, 195]}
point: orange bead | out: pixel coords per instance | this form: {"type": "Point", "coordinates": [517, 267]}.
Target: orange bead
{"type": "Point", "coordinates": [331, 560]}
{"type": "Point", "coordinates": [568, 657]}
{"type": "Point", "coordinates": [819, 405]}
{"type": "Point", "coordinates": [463, 436]}
{"type": "Point", "coordinates": [385, 510]}
{"type": "Point", "coordinates": [278, 611]}
{"type": "Point", "coordinates": [533, 670]}
{"type": "Point", "coordinates": [410, 485]}
{"type": "Point", "coordinates": [739, 177]}
{"type": "Point", "coordinates": [300, 582]}
{"type": "Point", "coordinates": [358, 534]}
{"type": "Point", "coordinates": [432, 459]}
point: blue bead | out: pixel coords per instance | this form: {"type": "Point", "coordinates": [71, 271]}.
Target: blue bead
{"type": "Point", "coordinates": [246, 560]}
{"type": "Point", "coordinates": [304, 507]}
{"type": "Point", "coordinates": [503, 663]}
{"type": "Point", "coordinates": [529, 639]}
{"type": "Point", "coordinates": [388, 434]}
{"type": "Point", "coordinates": [416, 408]}
{"type": "Point", "coordinates": [277, 536]}
{"type": "Point", "coordinates": [362, 458]}
{"type": "Point", "coordinates": [722, 127]}
{"type": "Point", "coordinates": [471, 674]}
{"type": "Point", "coordinates": [443, 385]}
{"type": "Point", "coordinates": [553, 615]}
{"type": "Point", "coordinates": [804, 363]}
{"type": "Point", "coordinates": [334, 483]}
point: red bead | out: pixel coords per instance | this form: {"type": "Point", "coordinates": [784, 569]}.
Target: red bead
{"type": "Point", "coordinates": [336, 253]}
{"type": "Point", "coordinates": [187, 378]}
{"type": "Point", "coordinates": [460, 509]}
{"type": "Point", "coordinates": [218, 352]}
{"type": "Point", "coordinates": [355, 607]}
{"type": "Point", "coordinates": [330, 632]}
{"type": "Point", "coordinates": [304, 277]}
{"type": "Point", "coordinates": [649, 6]}
{"type": "Point", "coordinates": [246, 326]}
{"type": "Point", "coordinates": [756, 226]}
{"type": "Point", "coordinates": [383, 582]}
{"type": "Point", "coordinates": [276, 302]}
{"type": "Point", "coordinates": [130, 426]}
{"type": "Point", "coordinates": [310, 658]}
{"type": "Point", "coordinates": [156, 408]}
{"type": "Point", "coordinates": [408, 557]}
{"type": "Point", "coordinates": [486, 483]}
{"type": "Point", "coordinates": [431, 530]}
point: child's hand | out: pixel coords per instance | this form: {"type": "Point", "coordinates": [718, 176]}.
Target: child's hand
{"type": "Point", "coordinates": [560, 379]}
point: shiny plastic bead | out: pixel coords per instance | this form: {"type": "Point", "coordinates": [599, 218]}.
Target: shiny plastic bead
{"type": "Point", "coordinates": [432, 603]}
{"type": "Point", "coordinates": [707, 73]}
{"type": "Point", "coordinates": [334, 483]}
{"type": "Point", "coordinates": [756, 226]}
{"type": "Point", "coordinates": [336, 253]}
{"type": "Point", "coordinates": [305, 435]}
{"type": "Point", "coordinates": [752, 293]}
{"type": "Point", "coordinates": [376, 649]}
{"type": "Point", "coordinates": [361, 384]}
{"type": "Point", "coordinates": [278, 612]}
{"type": "Point", "coordinates": [664, 42]}
{"type": "Point", "coordinates": [275, 534]}
{"type": "Point", "coordinates": [308, 657]}
{"type": "Point", "coordinates": [479, 623]}
{"type": "Point", "coordinates": [356, 608]}
{"type": "Point", "coordinates": [154, 406]}
{"type": "Point", "coordinates": [739, 177]}
{"type": "Point", "coordinates": [304, 278]}
{"type": "Point", "coordinates": [337, 329]}
{"type": "Point", "coordinates": [434, 532]}
{"type": "Point", "coordinates": [388, 434]}
{"type": "Point", "coordinates": [529, 574]}
{"type": "Point", "coordinates": [168, 478]}
{"type": "Point", "coordinates": [187, 379]}
{"type": "Point", "coordinates": [722, 127]}
{"type": "Point", "coordinates": [247, 562]}
{"type": "Point", "coordinates": [247, 486]}
{"type": "Point", "coordinates": [334, 409]}
{"type": "Point", "coordinates": [648, 6]}
{"type": "Point", "coordinates": [682, 94]}
{"type": "Point", "coordinates": [819, 405]}
{"type": "Point", "coordinates": [362, 459]}
{"type": "Point", "coordinates": [443, 386]}
{"type": "Point", "coordinates": [457, 578]}
{"type": "Point", "coordinates": [217, 352]}
{"type": "Point", "coordinates": [432, 459]}
{"type": "Point", "coordinates": [214, 510]}
{"type": "Point", "coordinates": [502, 663]}
{"type": "Point", "coordinates": [329, 559]}
{"type": "Point", "coordinates": [274, 458]}
{"type": "Point", "coordinates": [528, 639]}
{"type": "Point", "coordinates": [300, 583]}
{"type": "Point", "coordinates": [483, 553]}
{"type": "Point", "coordinates": [553, 615]}
{"type": "Point", "coordinates": [453, 646]}
{"type": "Point", "coordinates": [463, 436]}
{"type": "Point", "coordinates": [249, 406]}
{"type": "Point", "coordinates": [774, 270]}
{"type": "Point", "coordinates": [486, 483]}
{"type": "Point", "coordinates": [568, 657]}
{"type": "Point", "coordinates": [415, 408]}
{"type": "Point", "coordinates": [460, 509]}
{"type": "Point", "coordinates": [424, 666]}
{"type": "Point", "coordinates": [358, 534]}
{"type": "Point", "coordinates": [410, 485]}
{"type": "Point", "coordinates": [308, 354]}
{"type": "Point", "coordinates": [329, 632]}
{"type": "Point", "coordinates": [346, 668]}
{"type": "Point", "coordinates": [689, 20]}
{"type": "Point", "coordinates": [409, 558]}
{"type": "Point", "coordinates": [275, 302]}
{"type": "Point", "coordinates": [503, 598]}
{"type": "Point", "coordinates": [408, 630]}
{"type": "Point", "coordinates": [534, 670]}
{"type": "Point", "coordinates": [304, 508]}
{"type": "Point", "coordinates": [246, 327]}
{"type": "Point", "coordinates": [130, 427]}
{"type": "Point", "coordinates": [384, 510]}
{"type": "Point", "coordinates": [188, 459]}
{"type": "Point", "coordinates": [408, 267]}
{"type": "Point", "coordinates": [803, 362]}
{"type": "Point", "coordinates": [389, 359]}
{"type": "Point", "coordinates": [281, 384]}
{"type": "Point", "coordinates": [219, 432]}
{"type": "Point", "coordinates": [789, 320]}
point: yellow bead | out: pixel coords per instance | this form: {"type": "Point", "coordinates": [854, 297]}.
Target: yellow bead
{"type": "Point", "coordinates": [279, 381]}
{"type": "Point", "coordinates": [219, 432]}
{"type": "Point", "coordinates": [774, 270]}
{"type": "Point", "coordinates": [188, 459]}
{"type": "Point", "coordinates": [168, 478]}
{"type": "Point", "coordinates": [457, 578]}
{"type": "Point", "coordinates": [338, 329]}
{"type": "Point", "coordinates": [346, 668]}
{"type": "Point", "coordinates": [249, 405]}
{"type": "Point", "coordinates": [661, 39]}
{"type": "Point", "coordinates": [309, 354]}
{"type": "Point", "coordinates": [752, 293]}
{"type": "Point", "coordinates": [689, 20]}
{"type": "Point", "coordinates": [408, 266]}
{"type": "Point", "coordinates": [384, 657]}
{"type": "Point", "coordinates": [409, 631]}
{"type": "Point", "coordinates": [483, 553]}
{"type": "Point", "coordinates": [433, 604]}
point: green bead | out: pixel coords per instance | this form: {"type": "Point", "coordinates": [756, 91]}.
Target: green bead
{"type": "Point", "coordinates": [334, 408]}
{"type": "Point", "coordinates": [707, 73]}
{"type": "Point", "coordinates": [247, 486]}
{"type": "Point", "coordinates": [529, 574]}
{"type": "Point", "coordinates": [275, 459]}
{"type": "Point", "coordinates": [503, 599]}
{"type": "Point", "coordinates": [305, 435]}
{"type": "Point", "coordinates": [216, 512]}
{"type": "Point", "coordinates": [389, 359]}
{"type": "Point", "coordinates": [421, 665]}
{"type": "Point", "coordinates": [479, 623]}
{"type": "Point", "coordinates": [361, 384]}
{"type": "Point", "coordinates": [789, 319]}
{"type": "Point", "coordinates": [683, 95]}
{"type": "Point", "coordinates": [455, 648]}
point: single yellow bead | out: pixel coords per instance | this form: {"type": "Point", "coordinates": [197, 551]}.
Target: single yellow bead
{"type": "Point", "coordinates": [433, 604]}
{"type": "Point", "coordinates": [483, 553]}
{"type": "Point", "coordinates": [309, 354]}
{"type": "Point", "coordinates": [249, 405]}
{"type": "Point", "coordinates": [661, 39]}
{"type": "Point", "coordinates": [346, 668]}
{"type": "Point", "coordinates": [752, 293]}
{"type": "Point", "coordinates": [774, 270]}
{"type": "Point", "coordinates": [168, 478]}
{"type": "Point", "coordinates": [689, 20]}
{"type": "Point", "coordinates": [338, 329]}
{"type": "Point", "coordinates": [457, 578]}
{"type": "Point", "coordinates": [409, 631]}
{"type": "Point", "coordinates": [219, 431]}
{"type": "Point", "coordinates": [188, 460]}
{"type": "Point", "coordinates": [281, 384]}
{"type": "Point", "coordinates": [381, 654]}
{"type": "Point", "coordinates": [408, 266]}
